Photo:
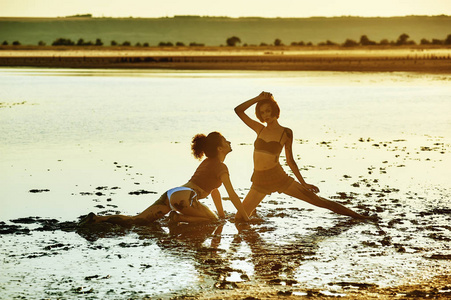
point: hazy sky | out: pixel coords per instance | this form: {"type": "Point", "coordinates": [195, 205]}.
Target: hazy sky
{"type": "Point", "coordinates": [231, 8]}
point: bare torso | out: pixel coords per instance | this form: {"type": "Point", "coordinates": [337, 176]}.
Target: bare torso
{"type": "Point", "coordinates": [264, 160]}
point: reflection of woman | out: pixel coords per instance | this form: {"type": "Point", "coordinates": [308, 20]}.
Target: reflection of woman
{"type": "Point", "coordinates": [183, 200]}
{"type": "Point", "coordinates": [268, 176]}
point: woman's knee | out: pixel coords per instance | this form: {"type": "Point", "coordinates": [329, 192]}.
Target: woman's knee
{"type": "Point", "coordinates": [154, 213]}
{"type": "Point", "coordinates": [298, 191]}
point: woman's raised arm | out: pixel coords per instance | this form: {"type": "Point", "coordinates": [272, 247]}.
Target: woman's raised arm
{"type": "Point", "coordinates": [240, 111]}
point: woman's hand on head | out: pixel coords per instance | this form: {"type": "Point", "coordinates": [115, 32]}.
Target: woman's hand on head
{"type": "Point", "coordinates": [265, 95]}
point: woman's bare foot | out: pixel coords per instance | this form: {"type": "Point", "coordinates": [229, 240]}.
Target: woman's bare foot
{"type": "Point", "coordinates": [89, 219]}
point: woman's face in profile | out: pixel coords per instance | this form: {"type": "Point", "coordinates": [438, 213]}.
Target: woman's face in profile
{"type": "Point", "coordinates": [226, 145]}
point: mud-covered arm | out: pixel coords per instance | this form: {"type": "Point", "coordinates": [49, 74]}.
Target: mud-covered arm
{"type": "Point", "coordinates": [233, 196]}
{"type": "Point", "coordinates": [292, 163]}
{"type": "Point", "coordinates": [216, 196]}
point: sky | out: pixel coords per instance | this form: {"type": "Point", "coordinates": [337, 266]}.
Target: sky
{"type": "Point", "coordinates": [229, 8]}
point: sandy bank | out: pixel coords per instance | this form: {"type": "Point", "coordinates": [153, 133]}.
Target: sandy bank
{"type": "Point", "coordinates": [293, 59]}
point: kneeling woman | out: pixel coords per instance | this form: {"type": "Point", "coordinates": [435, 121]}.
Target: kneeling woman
{"type": "Point", "coordinates": [183, 201]}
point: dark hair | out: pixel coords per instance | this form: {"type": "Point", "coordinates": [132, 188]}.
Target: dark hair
{"type": "Point", "coordinates": [275, 110]}
{"type": "Point", "coordinates": [207, 145]}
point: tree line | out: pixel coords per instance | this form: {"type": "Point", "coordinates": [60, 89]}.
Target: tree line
{"type": "Point", "coordinates": [234, 41]}
{"type": "Point", "coordinates": [402, 40]}
{"type": "Point", "coordinates": [99, 42]}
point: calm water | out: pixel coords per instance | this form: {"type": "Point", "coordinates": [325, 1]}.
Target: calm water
{"type": "Point", "coordinates": [75, 121]}
{"type": "Point", "coordinates": [72, 131]}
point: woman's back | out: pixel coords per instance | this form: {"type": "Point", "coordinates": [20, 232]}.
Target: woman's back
{"type": "Point", "coordinates": [207, 175]}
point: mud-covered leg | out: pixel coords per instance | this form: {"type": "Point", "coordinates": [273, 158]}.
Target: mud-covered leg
{"type": "Point", "coordinates": [154, 212]}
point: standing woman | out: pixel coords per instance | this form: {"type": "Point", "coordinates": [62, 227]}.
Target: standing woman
{"type": "Point", "coordinates": [269, 176]}
{"type": "Point", "coordinates": [183, 201]}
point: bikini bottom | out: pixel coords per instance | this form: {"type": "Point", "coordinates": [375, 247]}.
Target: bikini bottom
{"type": "Point", "coordinates": [271, 180]}
{"type": "Point", "coordinates": [192, 197]}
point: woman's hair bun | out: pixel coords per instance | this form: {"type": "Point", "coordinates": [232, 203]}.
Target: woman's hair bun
{"type": "Point", "coordinates": [206, 145]}
{"type": "Point", "coordinates": [198, 145]}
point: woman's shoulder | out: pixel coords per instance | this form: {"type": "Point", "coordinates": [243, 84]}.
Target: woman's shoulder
{"type": "Point", "coordinates": [222, 164]}
{"type": "Point", "coordinates": [288, 132]}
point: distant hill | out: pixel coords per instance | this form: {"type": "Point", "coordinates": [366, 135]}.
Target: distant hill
{"type": "Point", "coordinates": [213, 31]}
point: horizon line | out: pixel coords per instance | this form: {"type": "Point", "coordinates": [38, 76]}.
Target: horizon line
{"type": "Point", "coordinates": [90, 16]}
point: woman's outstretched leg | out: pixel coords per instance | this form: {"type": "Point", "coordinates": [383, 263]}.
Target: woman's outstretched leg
{"type": "Point", "coordinates": [296, 190]}
{"type": "Point", "coordinates": [154, 212]}
{"type": "Point", "coordinates": [185, 211]}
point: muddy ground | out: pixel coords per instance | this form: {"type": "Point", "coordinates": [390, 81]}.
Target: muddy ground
{"type": "Point", "coordinates": [287, 251]}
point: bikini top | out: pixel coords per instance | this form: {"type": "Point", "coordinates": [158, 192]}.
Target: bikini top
{"type": "Point", "coordinates": [271, 147]}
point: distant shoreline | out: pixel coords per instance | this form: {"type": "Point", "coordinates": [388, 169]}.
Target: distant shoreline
{"type": "Point", "coordinates": [364, 59]}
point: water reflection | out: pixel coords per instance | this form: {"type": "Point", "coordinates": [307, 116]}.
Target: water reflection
{"type": "Point", "coordinates": [223, 256]}
{"type": "Point", "coordinates": [223, 265]}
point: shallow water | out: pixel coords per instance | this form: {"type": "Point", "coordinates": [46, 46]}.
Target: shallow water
{"type": "Point", "coordinates": [75, 141]}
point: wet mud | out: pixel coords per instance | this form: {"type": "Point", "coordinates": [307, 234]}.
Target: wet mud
{"type": "Point", "coordinates": [274, 267]}
{"type": "Point", "coordinates": [286, 251]}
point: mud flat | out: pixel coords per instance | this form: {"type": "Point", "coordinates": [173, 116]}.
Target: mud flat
{"type": "Point", "coordinates": [381, 60]}
{"type": "Point", "coordinates": [76, 141]}
{"type": "Point", "coordinates": [282, 252]}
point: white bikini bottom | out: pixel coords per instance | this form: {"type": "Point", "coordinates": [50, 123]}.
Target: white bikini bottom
{"type": "Point", "coordinates": [179, 189]}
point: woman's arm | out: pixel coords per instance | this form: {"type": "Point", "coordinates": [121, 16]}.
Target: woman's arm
{"type": "Point", "coordinates": [292, 163]}
{"type": "Point", "coordinates": [216, 196]}
{"type": "Point", "coordinates": [233, 196]}
{"type": "Point", "coordinates": [240, 111]}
